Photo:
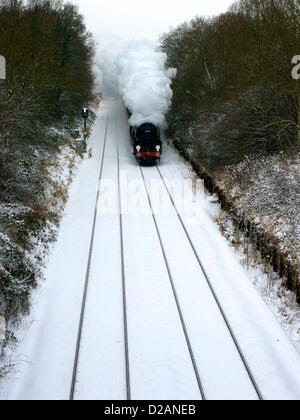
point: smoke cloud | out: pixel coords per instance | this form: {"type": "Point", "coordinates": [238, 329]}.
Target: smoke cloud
{"type": "Point", "coordinates": [136, 72]}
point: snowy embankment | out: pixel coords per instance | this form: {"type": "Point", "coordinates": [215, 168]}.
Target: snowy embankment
{"type": "Point", "coordinates": [26, 234]}
{"type": "Point", "coordinates": [267, 191]}
{"type": "Point", "coordinates": [256, 207]}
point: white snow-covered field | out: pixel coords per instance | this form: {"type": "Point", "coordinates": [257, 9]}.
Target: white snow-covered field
{"type": "Point", "coordinates": [176, 344]}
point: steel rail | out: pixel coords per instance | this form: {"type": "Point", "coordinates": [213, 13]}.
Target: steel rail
{"type": "Point", "coordinates": [87, 276]}
{"type": "Point", "coordinates": [242, 356]}
{"type": "Point", "coordinates": [200, 386]}
{"type": "Point", "coordinates": [126, 340]}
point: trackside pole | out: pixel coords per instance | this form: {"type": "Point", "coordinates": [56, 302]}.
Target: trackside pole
{"type": "Point", "coordinates": [85, 115]}
{"type": "Point", "coordinates": [299, 124]}
{"type": "Point", "coordinates": [2, 76]}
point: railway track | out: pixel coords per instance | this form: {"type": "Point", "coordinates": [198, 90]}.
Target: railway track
{"type": "Point", "coordinates": [228, 326]}
{"type": "Point", "coordinates": [201, 390]}
{"type": "Point", "coordinates": [202, 393]}
{"type": "Point", "coordinates": [128, 388]}
{"type": "Point", "coordinates": [158, 315]}
{"type": "Point", "coordinates": [87, 276]}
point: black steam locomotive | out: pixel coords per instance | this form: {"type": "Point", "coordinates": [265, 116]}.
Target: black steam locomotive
{"type": "Point", "coordinates": [146, 142]}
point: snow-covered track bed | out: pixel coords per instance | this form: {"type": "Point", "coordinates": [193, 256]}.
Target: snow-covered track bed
{"type": "Point", "coordinates": [101, 367]}
{"type": "Point", "coordinates": [143, 305]}
{"type": "Point", "coordinates": [227, 376]}
{"type": "Point", "coordinates": [82, 321]}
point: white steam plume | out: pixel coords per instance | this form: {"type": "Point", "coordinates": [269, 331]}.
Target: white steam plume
{"type": "Point", "coordinates": [136, 72]}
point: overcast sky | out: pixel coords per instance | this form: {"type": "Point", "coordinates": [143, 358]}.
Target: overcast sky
{"type": "Point", "coordinates": [140, 19]}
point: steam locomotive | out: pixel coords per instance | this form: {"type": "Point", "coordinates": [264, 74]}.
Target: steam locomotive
{"type": "Point", "coordinates": [146, 142]}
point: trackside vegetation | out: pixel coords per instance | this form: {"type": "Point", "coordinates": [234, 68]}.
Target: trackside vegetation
{"type": "Point", "coordinates": [235, 114]}
{"type": "Point", "coordinates": [49, 55]}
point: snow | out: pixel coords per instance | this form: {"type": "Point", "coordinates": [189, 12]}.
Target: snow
{"type": "Point", "coordinates": [275, 367]}
{"type": "Point", "coordinates": [160, 364]}
{"type": "Point", "coordinates": [267, 191]}
{"type": "Point", "coordinates": [204, 322]}
{"type": "Point", "coordinates": [103, 336]}
{"type": "Point", "coordinates": [45, 357]}
{"type": "Point", "coordinates": [281, 301]}
{"type": "Point", "coordinates": [22, 260]}
{"type": "Point", "coordinates": [159, 359]}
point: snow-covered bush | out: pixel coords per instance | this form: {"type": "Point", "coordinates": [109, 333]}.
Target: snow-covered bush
{"type": "Point", "coordinates": [233, 93]}
{"type": "Point", "coordinates": [49, 56]}
{"type": "Point", "coordinates": [267, 190]}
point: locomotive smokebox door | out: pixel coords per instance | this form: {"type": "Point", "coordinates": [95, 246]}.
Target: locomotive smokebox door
{"type": "Point", "coordinates": [85, 113]}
